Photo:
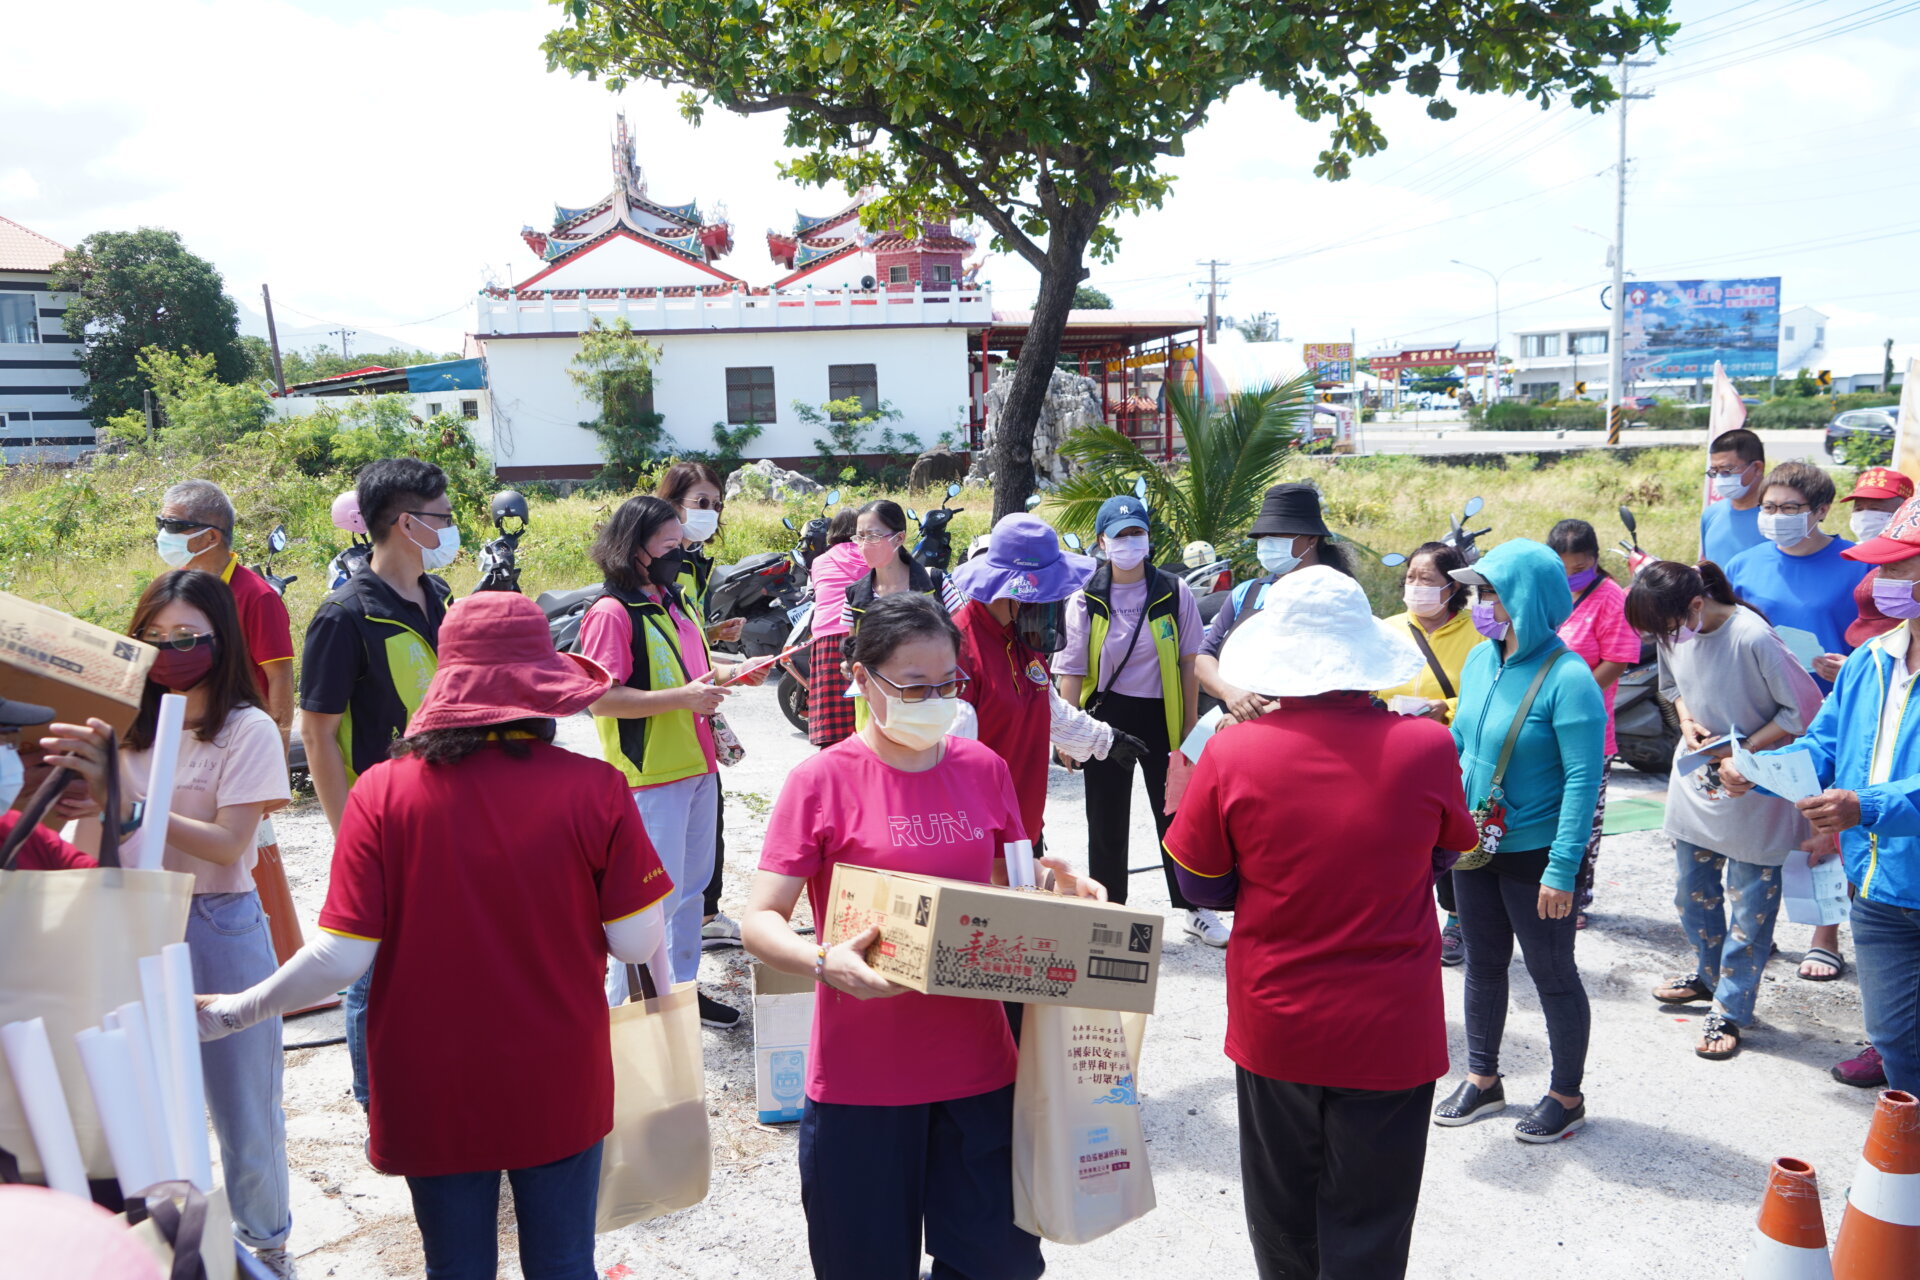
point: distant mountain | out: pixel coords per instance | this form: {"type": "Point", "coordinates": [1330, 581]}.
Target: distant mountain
{"type": "Point", "coordinates": [298, 333]}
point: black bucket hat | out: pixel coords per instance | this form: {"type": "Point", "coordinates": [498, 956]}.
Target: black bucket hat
{"type": "Point", "coordinates": [1289, 510]}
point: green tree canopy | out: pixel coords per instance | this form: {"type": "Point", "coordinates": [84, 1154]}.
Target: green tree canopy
{"type": "Point", "coordinates": [1088, 298]}
{"type": "Point", "coordinates": [1047, 117]}
{"type": "Point", "coordinates": [134, 290]}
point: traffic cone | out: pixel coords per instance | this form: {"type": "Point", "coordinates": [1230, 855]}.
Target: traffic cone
{"type": "Point", "coordinates": [1790, 1239]}
{"type": "Point", "coordinates": [1880, 1234]}
{"type": "Point", "coordinates": [276, 899]}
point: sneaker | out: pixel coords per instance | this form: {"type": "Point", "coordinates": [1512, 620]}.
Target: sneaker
{"type": "Point", "coordinates": [1453, 946]}
{"type": "Point", "coordinates": [715, 1014]}
{"type": "Point", "coordinates": [1207, 927]}
{"type": "Point", "coordinates": [719, 932]}
{"type": "Point", "coordinates": [277, 1263]}
{"type": "Point", "coordinates": [1862, 1071]}
{"type": "Point", "coordinates": [1468, 1103]}
{"type": "Point", "coordinates": [1549, 1121]}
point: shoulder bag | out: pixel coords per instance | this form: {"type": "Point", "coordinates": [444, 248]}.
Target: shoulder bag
{"type": "Point", "coordinates": [1490, 815]}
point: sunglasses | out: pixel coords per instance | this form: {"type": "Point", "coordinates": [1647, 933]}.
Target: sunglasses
{"type": "Point", "coordinates": [166, 524]}
{"type": "Point", "coordinates": [181, 638]}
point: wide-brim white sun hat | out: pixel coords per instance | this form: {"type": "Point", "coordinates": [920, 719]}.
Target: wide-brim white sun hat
{"type": "Point", "coordinates": [1316, 634]}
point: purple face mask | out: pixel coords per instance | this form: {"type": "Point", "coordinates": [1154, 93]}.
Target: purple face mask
{"type": "Point", "coordinates": [1486, 624]}
{"type": "Point", "coordinates": [1580, 581]}
{"type": "Point", "coordinates": [1895, 598]}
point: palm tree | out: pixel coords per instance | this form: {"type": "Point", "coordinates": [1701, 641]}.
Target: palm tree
{"type": "Point", "coordinates": [1234, 452]}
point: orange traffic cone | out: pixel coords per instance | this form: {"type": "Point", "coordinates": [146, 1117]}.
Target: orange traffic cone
{"type": "Point", "coordinates": [1790, 1240]}
{"type": "Point", "coordinates": [276, 899]}
{"type": "Point", "coordinates": [1880, 1234]}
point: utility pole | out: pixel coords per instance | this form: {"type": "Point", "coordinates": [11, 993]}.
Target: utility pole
{"type": "Point", "coordinates": [1212, 284]}
{"type": "Point", "coordinates": [1617, 332]}
{"type": "Point", "coordinates": [1886, 375]}
{"type": "Point", "coordinates": [343, 335]}
{"type": "Point", "coordinates": [273, 342]}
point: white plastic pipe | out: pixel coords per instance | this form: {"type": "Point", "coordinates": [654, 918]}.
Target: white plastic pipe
{"type": "Point", "coordinates": [37, 1080]}
{"type": "Point", "coordinates": [142, 1061]}
{"type": "Point", "coordinates": [166, 756]}
{"type": "Point", "coordinates": [183, 1042]}
{"type": "Point", "coordinates": [108, 1061]}
{"type": "Point", "coordinates": [153, 995]}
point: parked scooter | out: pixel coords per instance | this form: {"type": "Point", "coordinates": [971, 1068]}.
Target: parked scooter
{"type": "Point", "coordinates": [498, 571]}
{"type": "Point", "coordinates": [1645, 724]}
{"type": "Point", "coordinates": [934, 550]}
{"type": "Point", "coordinates": [1464, 539]}
{"type": "Point", "coordinates": [276, 543]}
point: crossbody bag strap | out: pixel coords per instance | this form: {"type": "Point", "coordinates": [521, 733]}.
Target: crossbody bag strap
{"type": "Point", "coordinates": [1433, 659]}
{"type": "Point", "coordinates": [49, 791]}
{"type": "Point", "coordinates": [1099, 698]}
{"type": "Point", "coordinates": [1520, 718]}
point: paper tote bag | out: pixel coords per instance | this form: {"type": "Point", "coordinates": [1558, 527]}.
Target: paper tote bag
{"type": "Point", "coordinates": [1079, 1153]}
{"type": "Point", "coordinates": [658, 1157]}
{"type": "Point", "coordinates": [193, 1239]}
{"type": "Point", "coordinates": [70, 946]}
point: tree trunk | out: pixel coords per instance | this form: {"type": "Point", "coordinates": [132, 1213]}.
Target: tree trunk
{"type": "Point", "coordinates": [1013, 433]}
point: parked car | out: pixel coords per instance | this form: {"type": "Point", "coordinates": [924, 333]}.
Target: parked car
{"type": "Point", "coordinates": [1860, 422]}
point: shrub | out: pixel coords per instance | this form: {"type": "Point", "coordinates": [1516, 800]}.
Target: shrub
{"type": "Point", "coordinates": [1802, 413]}
{"type": "Point", "coordinates": [1860, 450]}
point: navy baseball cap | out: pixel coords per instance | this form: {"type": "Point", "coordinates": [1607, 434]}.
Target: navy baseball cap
{"type": "Point", "coordinates": [1122, 511]}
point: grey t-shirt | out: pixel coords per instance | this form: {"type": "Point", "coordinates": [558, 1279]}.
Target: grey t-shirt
{"type": "Point", "coordinates": [1743, 676]}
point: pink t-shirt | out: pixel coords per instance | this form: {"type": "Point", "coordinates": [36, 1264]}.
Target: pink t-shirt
{"type": "Point", "coordinates": [845, 805]}
{"type": "Point", "coordinates": [244, 764]}
{"type": "Point", "coordinates": [833, 572]}
{"type": "Point", "coordinates": [1598, 632]}
{"type": "Point", "coordinates": [606, 636]}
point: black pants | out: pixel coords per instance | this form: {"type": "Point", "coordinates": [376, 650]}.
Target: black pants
{"type": "Point", "coordinates": [719, 850]}
{"type": "Point", "coordinates": [1495, 910]}
{"type": "Point", "coordinates": [1109, 792]}
{"type": "Point", "coordinates": [1331, 1177]}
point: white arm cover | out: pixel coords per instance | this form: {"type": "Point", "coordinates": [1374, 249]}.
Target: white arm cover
{"type": "Point", "coordinates": [632, 939]}
{"type": "Point", "coordinates": [966, 721]}
{"type": "Point", "coordinates": [322, 967]}
{"type": "Point", "coordinates": [1075, 732]}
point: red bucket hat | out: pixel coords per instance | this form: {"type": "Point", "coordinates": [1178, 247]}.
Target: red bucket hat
{"type": "Point", "coordinates": [1880, 482]}
{"type": "Point", "coordinates": [1900, 540]}
{"type": "Point", "coordinates": [498, 664]}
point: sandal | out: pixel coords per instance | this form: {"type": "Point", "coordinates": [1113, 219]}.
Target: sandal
{"type": "Point", "coordinates": [1685, 990]}
{"type": "Point", "coordinates": [1723, 1035]}
{"type": "Point", "coordinates": [1820, 955]}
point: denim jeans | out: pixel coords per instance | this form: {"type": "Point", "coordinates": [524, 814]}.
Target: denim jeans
{"type": "Point", "coordinates": [553, 1204]}
{"type": "Point", "coordinates": [354, 1007]}
{"type": "Point", "coordinates": [1886, 948]}
{"type": "Point", "coordinates": [1495, 910]}
{"type": "Point", "coordinates": [231, 950]}
{"type": "Point", "coordinates": [1729, 957]}
{"type": "Point", "coordinates": [683, 820]}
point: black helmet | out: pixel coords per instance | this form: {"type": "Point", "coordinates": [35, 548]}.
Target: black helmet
{"type": "Point", "coordinates": [509, 504]}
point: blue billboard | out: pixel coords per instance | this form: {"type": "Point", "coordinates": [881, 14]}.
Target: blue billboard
{"type": "Point", "coordinates": [1679, 328]}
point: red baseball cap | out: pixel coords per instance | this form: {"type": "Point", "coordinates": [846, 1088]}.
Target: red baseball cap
{"type": "Point", "coordinates": [1880, 482]}
{"type": "Point", "coordinates": [1900, 540]}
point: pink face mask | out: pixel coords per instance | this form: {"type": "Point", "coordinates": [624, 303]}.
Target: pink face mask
{"type": "Point", "coordinates": [878, 553]}
{"type": "Point", "coordinates": [1895, 598]}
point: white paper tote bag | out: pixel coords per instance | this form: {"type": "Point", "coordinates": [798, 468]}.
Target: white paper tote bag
{"type": "Point", "coordinates": [1079, 1153]}
{"type": "Point", "coordinates": [659, 1156]}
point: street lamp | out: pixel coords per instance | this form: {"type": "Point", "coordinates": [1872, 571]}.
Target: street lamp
{"type": "Point", "coordinates": [1495, 277]}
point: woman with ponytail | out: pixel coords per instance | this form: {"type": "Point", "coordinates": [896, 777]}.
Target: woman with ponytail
{"type": "Point", "coordinates": [1725, 671]}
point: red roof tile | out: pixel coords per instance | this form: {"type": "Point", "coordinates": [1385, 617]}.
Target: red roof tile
{"type": "Point", "coordinates": [24, 250]}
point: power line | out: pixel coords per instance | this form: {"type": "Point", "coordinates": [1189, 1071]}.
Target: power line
{"type": "Point", "coordinates": [1794, 40]}
{"type": "Point", "coordinates": [1213, 283]}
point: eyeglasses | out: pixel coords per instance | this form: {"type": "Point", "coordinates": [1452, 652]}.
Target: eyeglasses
{"type": "Point", "coordinates": [181, 638]}
{"type": "Point", "coordinates": [1484, 595]}
{"type": "Point", "coordinates": [1722, 473]}
{"type": "Point", "coordinates": [1784, 508]}
{"type": "Point", "coordinates": [870, 536]}
{"type": "Point", "coordinates": [167, 524]}
{"type": "Point", "coordinates": [921, 692]}
{"type": "Point", "coordinates": [434, 515]}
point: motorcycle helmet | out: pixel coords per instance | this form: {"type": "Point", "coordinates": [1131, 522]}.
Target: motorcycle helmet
{"type": "Point", "coordinates": [509, 504]}
{"type": "Point", "coordinates": [1198, 554]}
{"type": "Point", "coordinates": [346, 512]}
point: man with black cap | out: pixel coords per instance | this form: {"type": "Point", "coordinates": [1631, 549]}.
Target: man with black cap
{"type": "Point", "coordinates": [1289, 534]}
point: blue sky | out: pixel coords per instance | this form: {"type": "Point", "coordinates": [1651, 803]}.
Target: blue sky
{"type": "Point", "coordinates": [375, 162]}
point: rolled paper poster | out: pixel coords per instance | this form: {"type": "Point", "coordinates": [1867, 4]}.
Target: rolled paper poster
{"type": "Point", "coordinates": [1020, 864]}
{"type": "Point", "coordinates": [183, 1044]}
{"type": "Point", "coordinates": [37, 1080]}
{"type": "Point", "coordinates": [166, 755]}
{"type": "Point", "coordinates": [108, 1061]}
{"type": "Point", "coordinates": [153, 998]}
{"type": "Point", "coordinates": [151, 1097]}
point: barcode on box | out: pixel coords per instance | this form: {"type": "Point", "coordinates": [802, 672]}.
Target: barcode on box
{"type": "Point", "coordinates": [1117, 970]}
{"type": "Point", "coordinates": [1108, 937]}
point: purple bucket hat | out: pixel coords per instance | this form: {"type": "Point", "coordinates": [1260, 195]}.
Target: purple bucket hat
{"type": "Point", "coordinates": [1024, 562]}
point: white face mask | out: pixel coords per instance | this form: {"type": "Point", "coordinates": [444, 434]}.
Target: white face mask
{"type": "Point", "coordinates": [1127, 552]}
{"type": "Point", "coordinates": [1785, 530]}
{"type": "Point", "coordinates": [1731, 488]}
{"type": "Point", "coordinates": [13, 775]}
{"type": "Point", "coordinates": [444, 552]}
{"type": "Point", "coordinates": [700, 524]}
{"type": "Point", "coordinates": [176, 549]}
{"type": "Point", "coordinates": [1276, 555]}
{"type": "Point", "coordinates": [1423, 600]}
{"type": "Point", "coordinates": [917, 726]}
{"type": "Point", "coordinates": [1868, 524]}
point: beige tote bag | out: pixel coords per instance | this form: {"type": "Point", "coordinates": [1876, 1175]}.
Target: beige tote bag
{"type": "Point", "coordinates": [659, 1156]}
{"type": "Point", "coordinates": [70, 945]}
{"type": "Point", "coordinates": [192, 1239]}
{"type": "Point", "coordinates": [1079, 1153]}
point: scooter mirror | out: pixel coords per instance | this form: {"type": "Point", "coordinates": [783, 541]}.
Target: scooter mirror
{"type": "Point", "coordinates": [788, 521]}
{"type": "Point", "coordinates": [277, 540]}
{"type": "Point", "coordinates": [1073, 541]}
{"type": "Point", "coordinates": [953, 491]}
{"type": "Point", "coordinates": [1473, 506]}
{"type": "Point", "coordinates": [1034, 501]}
{"type": "Point", "coordinates": [833, 497]}
{"type": "Point", "coordinates": [1393, 560]}
{"type": "Point", "coordinates": [1626, 518]}
{"type": "Point", "coordinates": [913, 515]}
{"type": "Point", "coordinates": [1140, 488]}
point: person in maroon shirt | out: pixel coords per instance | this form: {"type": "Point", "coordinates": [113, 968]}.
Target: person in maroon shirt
{"type": "Point", "coordinates": [1321, 823]}
{"type": "Point", "coordinates": [25, 766]}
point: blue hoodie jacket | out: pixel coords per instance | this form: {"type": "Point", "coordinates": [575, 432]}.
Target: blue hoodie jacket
{"type": "Point", "coordinates": [1882, 854]}
{"type": "Point", "coordinates": [1553, 779]}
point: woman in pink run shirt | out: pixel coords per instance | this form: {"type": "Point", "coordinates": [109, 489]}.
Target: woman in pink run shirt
{"type": "Point", "coordinates": [1597, 630]}
{"type": "Point", "coordinates": [908, 1129]}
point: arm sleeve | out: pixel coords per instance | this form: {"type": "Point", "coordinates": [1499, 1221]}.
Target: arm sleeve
{"type": "Point", "coordinates": [254, 769]}
{"type": "Point", "coordinates": [1579, 726]}
{"type": "Point", "coordinates": [1891, 808]}
{"type": "Point", "coordinates": [1191, 631]}
{"type": "Point", "coordinates": [606, 636]}
{"type": "Point", "coordinates": [1222, 623]}
{"type": "Point", "coordinates": [330, 662]}
{"type": "Point", "coordinates": [1075, 732]}
{"type": "Point", "coordinates": [322, 967]}
{"type": "Point", "coordinates": [634, 939]}
{"type": "Point", "coordinates": [1072, 658]}
{"type": "Point", "coordinates": [1669, 688]}
{"type": "Point", "coordinates": [1793, 691]}
{"type": "Point", "coordinates": [796, 839]}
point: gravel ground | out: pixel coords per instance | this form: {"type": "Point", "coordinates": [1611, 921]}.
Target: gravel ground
{"type": "Point", "coordinates": [1665, 1179]}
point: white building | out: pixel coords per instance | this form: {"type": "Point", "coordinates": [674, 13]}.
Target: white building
{"type": "Point", "coordinates": [1550, 361]}
{"type": "Point", "coordinates": [41, 414]}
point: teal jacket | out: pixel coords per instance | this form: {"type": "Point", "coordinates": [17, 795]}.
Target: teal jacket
{"type": "Point", "coordinates": [1553, 780]}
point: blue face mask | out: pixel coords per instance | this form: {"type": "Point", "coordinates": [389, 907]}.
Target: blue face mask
{"type": "Point", "coordinates": [1276, 555]}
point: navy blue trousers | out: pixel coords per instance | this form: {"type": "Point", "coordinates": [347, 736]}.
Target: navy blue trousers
{"type": "Point", "coordinates": [875, 1180]}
